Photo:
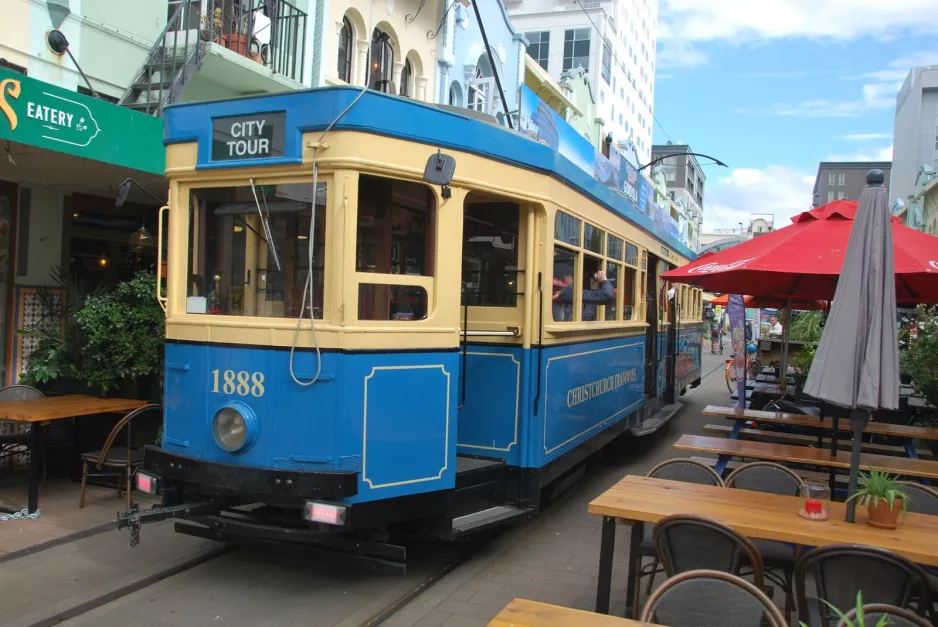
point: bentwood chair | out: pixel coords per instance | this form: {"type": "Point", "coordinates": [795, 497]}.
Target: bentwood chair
{"type": "Point", "coordinates": [873, 612]}
{"type": "Point", "coordinates": [140, 427]}
{"type": "Point", "coordinates": [11, 442]}
{"type": "Point", "coordinates": [677, 469]}
{"type": "Point", "coordinates": [839, 571]}
{"type": "Point", "coordinates": [708, 598]}
{"type": "Point", "coordinates": [924, 500]}
{"type": "Point", "coordinates": [772, 478]}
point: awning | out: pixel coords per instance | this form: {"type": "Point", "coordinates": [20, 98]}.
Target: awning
{"type": "Point", "coordinates": [545, 87]}
{"type": "Point", "coordinates": [40, 115]}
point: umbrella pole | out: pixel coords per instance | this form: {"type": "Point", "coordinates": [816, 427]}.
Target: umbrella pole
{"type": "Point", "coordinates": [859, 419]}
{"type": "Point", "coordinates": [785, 337]}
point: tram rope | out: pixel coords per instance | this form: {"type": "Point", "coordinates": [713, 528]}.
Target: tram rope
{"type": "Point", "coordinates": [309, 288]}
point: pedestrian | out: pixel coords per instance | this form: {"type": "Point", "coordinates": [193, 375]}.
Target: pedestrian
{"type": "Point", "coordinates": [775, 327]}
{"type": "Point", "coordinates": [563, 298]}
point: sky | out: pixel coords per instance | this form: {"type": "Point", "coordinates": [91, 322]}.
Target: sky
{"type": "Point", "coordinates": [772, 87]}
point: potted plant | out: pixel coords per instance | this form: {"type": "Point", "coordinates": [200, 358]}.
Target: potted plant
{"type": "Point", "coordinates": [212, 31]}
{"type": "Point", "coordinates": [920, 359]}
{"type": "Point", "coordinates": [123, 347]}
{"type": "Point", "coordinates": [859, 620]}
{"type": "Point", "coordinates": [884, 497]}
{"type": "Point", "coordinates": [801, 363]}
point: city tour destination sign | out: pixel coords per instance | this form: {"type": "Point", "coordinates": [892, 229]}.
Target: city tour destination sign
{"type": "Point", "coordinates": [45, 116]}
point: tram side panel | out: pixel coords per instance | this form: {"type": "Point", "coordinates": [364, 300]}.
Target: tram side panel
{"type": "Point", "coordinates": [496, 403]}
{"type": "Point", "coordinates": [586, 388]}
{"type": "Point", "coordinates": [689, 355]}
{"type": "Point", "coordinates": [388, 417]}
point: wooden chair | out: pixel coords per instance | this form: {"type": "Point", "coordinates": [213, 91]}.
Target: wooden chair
{"type": "Point", "coordinates": [708, 598]}
{"type": "Point", "coordinates": [840, 570]}
{"type": "Point", "coordinates": [677, 469]}
{"type": "Point", "coordinates": [13, 443]}
{"type": "Point", "coordinates": [776, 556]}
{"type": "Point", "coordinates": [873, 612]}
{"type": "Point", "coordinates": [141, 427]}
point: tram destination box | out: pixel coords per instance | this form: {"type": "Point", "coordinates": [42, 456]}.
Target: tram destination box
{"type": "Point", "coordinates": [255, 136]}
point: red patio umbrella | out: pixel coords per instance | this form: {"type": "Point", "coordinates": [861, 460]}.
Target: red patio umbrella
{"type": "Point", "coordinates": [767, 302]}
{"type": "Point", "coordinates": [802, 261]}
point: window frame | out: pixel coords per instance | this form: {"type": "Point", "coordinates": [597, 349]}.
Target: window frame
{"type": "Point", "coordinates": [573, 40]}
{"type": "Point", "coordinates": [345, 64]}
{"type": "Point", "coordinates": [543, 47]}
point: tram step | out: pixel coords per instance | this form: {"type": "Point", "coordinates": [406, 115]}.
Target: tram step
{"type": "Point", "coordinates": [661, 417]}
{"type": "Point", "coordinates": [465, 465]}
{"type": "Point", "coordinates": [488, 517]}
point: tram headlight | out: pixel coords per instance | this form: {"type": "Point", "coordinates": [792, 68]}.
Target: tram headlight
{"type": "Point", "coordinates": [234, 427]}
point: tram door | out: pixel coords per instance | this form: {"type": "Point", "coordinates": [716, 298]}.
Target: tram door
{"type": "Point", "coordinates": [492, 311]}
{"type": "Point", "coordinates": [651, 331]}
{"type": "Point", "coordinates": [674, 320]}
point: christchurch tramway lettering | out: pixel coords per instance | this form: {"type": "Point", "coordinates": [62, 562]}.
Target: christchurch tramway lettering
{"type": "Point", "coordinates": [583, 393]}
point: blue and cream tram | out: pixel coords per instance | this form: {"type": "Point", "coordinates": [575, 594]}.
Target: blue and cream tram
{"type": "Point", "coordinates": [351, 347]}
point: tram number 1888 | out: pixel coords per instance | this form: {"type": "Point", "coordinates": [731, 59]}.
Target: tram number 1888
{"type": "Point", "coordinates": [242, 383]}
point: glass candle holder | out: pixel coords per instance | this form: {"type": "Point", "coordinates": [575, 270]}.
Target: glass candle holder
{"type": "Point", "coordinates": [816, 499]}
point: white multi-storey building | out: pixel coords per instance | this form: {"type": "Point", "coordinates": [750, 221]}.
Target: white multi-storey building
{"type": "Point", "coordinates": [614, 41]}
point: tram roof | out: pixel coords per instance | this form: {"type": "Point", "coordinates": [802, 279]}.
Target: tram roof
{"type": "Point", "coordinates": [383, 114]}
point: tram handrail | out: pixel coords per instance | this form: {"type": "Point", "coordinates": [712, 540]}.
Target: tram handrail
{"type": "Point", "coordinates": [162, 300]}
{"type": "Point", "coordinates": [512, 332]}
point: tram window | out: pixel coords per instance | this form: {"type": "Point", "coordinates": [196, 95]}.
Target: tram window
{"type": "Point", "coordinates": [628, 294]}
{"type": "Point", "coordinates": [631, 255]}
{"type": "Point", "coordinates": [593, 239]}
{"type": "Point", "coordinates": [395, 227]}
{"type": "Point", "coordinates": [613, 272]}
{"type": "Point", "coordinates": [490, 254]}
{"type": "Point", "coordinates": [567, 229]}
{"type": "Point", "coordinates": [591, 265]}
{"type": "Point", "coordinates": [377, 301]}
{"type": "Point", "coordinates": [564, 264]}
{"type": "Point", "coordinates": [232, 268]}
{"type": "Point", "coordinates": [614, 248]}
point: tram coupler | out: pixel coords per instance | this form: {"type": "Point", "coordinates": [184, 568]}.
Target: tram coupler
{"type": "Point", "coordinates": [134, 518]}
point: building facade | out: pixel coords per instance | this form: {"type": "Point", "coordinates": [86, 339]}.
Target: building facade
{"type": "Point", "coordinates": [839, 180]}
{"type": "Point", "coordinates": [915, 135]}
{"type": "Point", "coordinates": [685, 180]}
{"type": "Point", "coordinates": [723, 238]}
{"type": "Point", "coordinates": [615, 42]}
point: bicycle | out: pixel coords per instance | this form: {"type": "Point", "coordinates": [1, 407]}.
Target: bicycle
{"type": "Point", "coordinates": [753, 369]}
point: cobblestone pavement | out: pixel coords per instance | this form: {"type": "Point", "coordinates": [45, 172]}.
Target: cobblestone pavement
{"type": "Point", "coordinates": [555, 557]}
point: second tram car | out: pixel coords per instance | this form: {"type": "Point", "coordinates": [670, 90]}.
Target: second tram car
{"type": "Point", "coordinates": [350, 347]}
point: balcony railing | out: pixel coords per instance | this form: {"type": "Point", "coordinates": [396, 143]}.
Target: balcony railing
{"type": "Point", "coordinates": [272, 32]}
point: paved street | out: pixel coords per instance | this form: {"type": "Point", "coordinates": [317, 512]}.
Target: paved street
{"type": "Point", "coordinates": [553, 557]}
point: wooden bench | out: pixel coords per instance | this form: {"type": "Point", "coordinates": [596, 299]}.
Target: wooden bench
{"type": "Point", "coordinates": [802, 420]}
{"type": "Point", "coordinates": [798, 439]}
{"type": "Point", "coordinates": [525, 613]}
{"type": "Point", "coordinates": [803, 455]}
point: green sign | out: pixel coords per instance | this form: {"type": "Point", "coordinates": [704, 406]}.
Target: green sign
{"type": "Point", "coordinates": [39, 114]}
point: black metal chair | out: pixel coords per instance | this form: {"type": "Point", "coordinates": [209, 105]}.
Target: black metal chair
{"type": "Point", "coordinates": [707, 598]}
{"type": "Point", "coordinates": [924, 499]}
{"type": "Point", "coordinates": [140, 427]}
{"type": "Point", "coordinates": [11, 442]}
{"type": "Point", "coordinates": [677, 469]}
{"type": "Point", "coordinates": [776, 556]}
{"type": "Point", "coordinates": [873, 612]}
{"type": "Point", "coordinates": [839, 571]}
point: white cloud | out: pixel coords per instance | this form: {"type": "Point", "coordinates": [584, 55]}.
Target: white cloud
{"type": "Point", "coordinates": [879, 154]}
{"type": "Point", "coordinates": [863, 137]}
{"type": "Point", "coordinates": [898, 69]}
{"type": "Point", "coordinates": [777, 190]}
{"type": "Point", "coordinates": [874, 97]}
{"type": "Point", "coordinates": [680, 54]}
{"type": "Point", "coordinates": [839, 20]}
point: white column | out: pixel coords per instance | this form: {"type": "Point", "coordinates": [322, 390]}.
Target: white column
{"type": "Point", "coordinates": [395, 87]}
{"type": "Point", "coordinates": [360, 77]}
{"type": "Point", "coordinates": [420, 84]}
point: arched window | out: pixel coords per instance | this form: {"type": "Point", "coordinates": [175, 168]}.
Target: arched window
{"type": "Point", "coordinates": [345, 51]}
{"type": "Point", "coordinates": [380, 62]}
{"type": "Point", "coordinates": [407, 77]}
{"type": "Point", "coordinates": [455, 95]}
{"type": "Point", "coordinates": [482, 87]}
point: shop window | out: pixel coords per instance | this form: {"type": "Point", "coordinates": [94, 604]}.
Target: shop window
{"type": "Point", "coordinates": [395, 236]}
{"type": "Point", "coordinates": [234, 251]}
{"type": "Point", "coordinates": [490, 254]}
{"type": "Point", "coordinates": [346, 45]}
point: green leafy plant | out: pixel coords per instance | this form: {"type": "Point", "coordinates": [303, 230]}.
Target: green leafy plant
{"type": "Point", "coordinates": [859, 620]}
{"type": "Point", "coordinates": [807, 326]}
{"type": "Point", "coordinates": [802, 360]}
{"type": "Point", "coordinates": [57, 352]}
{"type": "Point", "coordinates": [877, 485]}
{"type": "Point", "coordinates": [920, 359]}
{"type": "Point", "coordinates": [123, 334]}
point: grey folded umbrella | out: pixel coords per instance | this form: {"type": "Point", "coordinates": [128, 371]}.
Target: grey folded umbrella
{"type": "Point", "coordinates": [857, 361]}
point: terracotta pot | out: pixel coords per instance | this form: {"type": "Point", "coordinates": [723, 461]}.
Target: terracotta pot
{"type": "Point", "coordinates": [881, 516]}
{"type": "Point", "coordinates": [238, 43]}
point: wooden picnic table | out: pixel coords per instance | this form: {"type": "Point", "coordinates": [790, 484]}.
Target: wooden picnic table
{"type": "Point", "coordinates": [787, 453]}
{"type": "Point", "coordinates": [525, 613]}
{"type": "Point", "coordinates": [41, 411]}
{"type": "Point", "coordinates": [638, 500]}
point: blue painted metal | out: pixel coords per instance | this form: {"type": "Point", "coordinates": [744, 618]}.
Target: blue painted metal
{"type": "Point", "coordinates": [723, 460]}
{"type": "Point", "coordinates": [391, 416]}
{"type": "Point", "coordinates": [384, 114]}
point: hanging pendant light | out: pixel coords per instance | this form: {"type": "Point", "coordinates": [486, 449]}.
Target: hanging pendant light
{"type": "Point", "coordinates": [141, 239]}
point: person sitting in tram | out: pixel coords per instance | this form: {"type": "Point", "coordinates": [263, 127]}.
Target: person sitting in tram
{"type": "Point", "coordinates": [563, 298]}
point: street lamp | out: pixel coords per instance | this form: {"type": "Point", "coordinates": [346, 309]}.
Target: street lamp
{"type": "Point", "coordinates": [140, 239]}
{"type": "Point", "coordinates": [696, 154]}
